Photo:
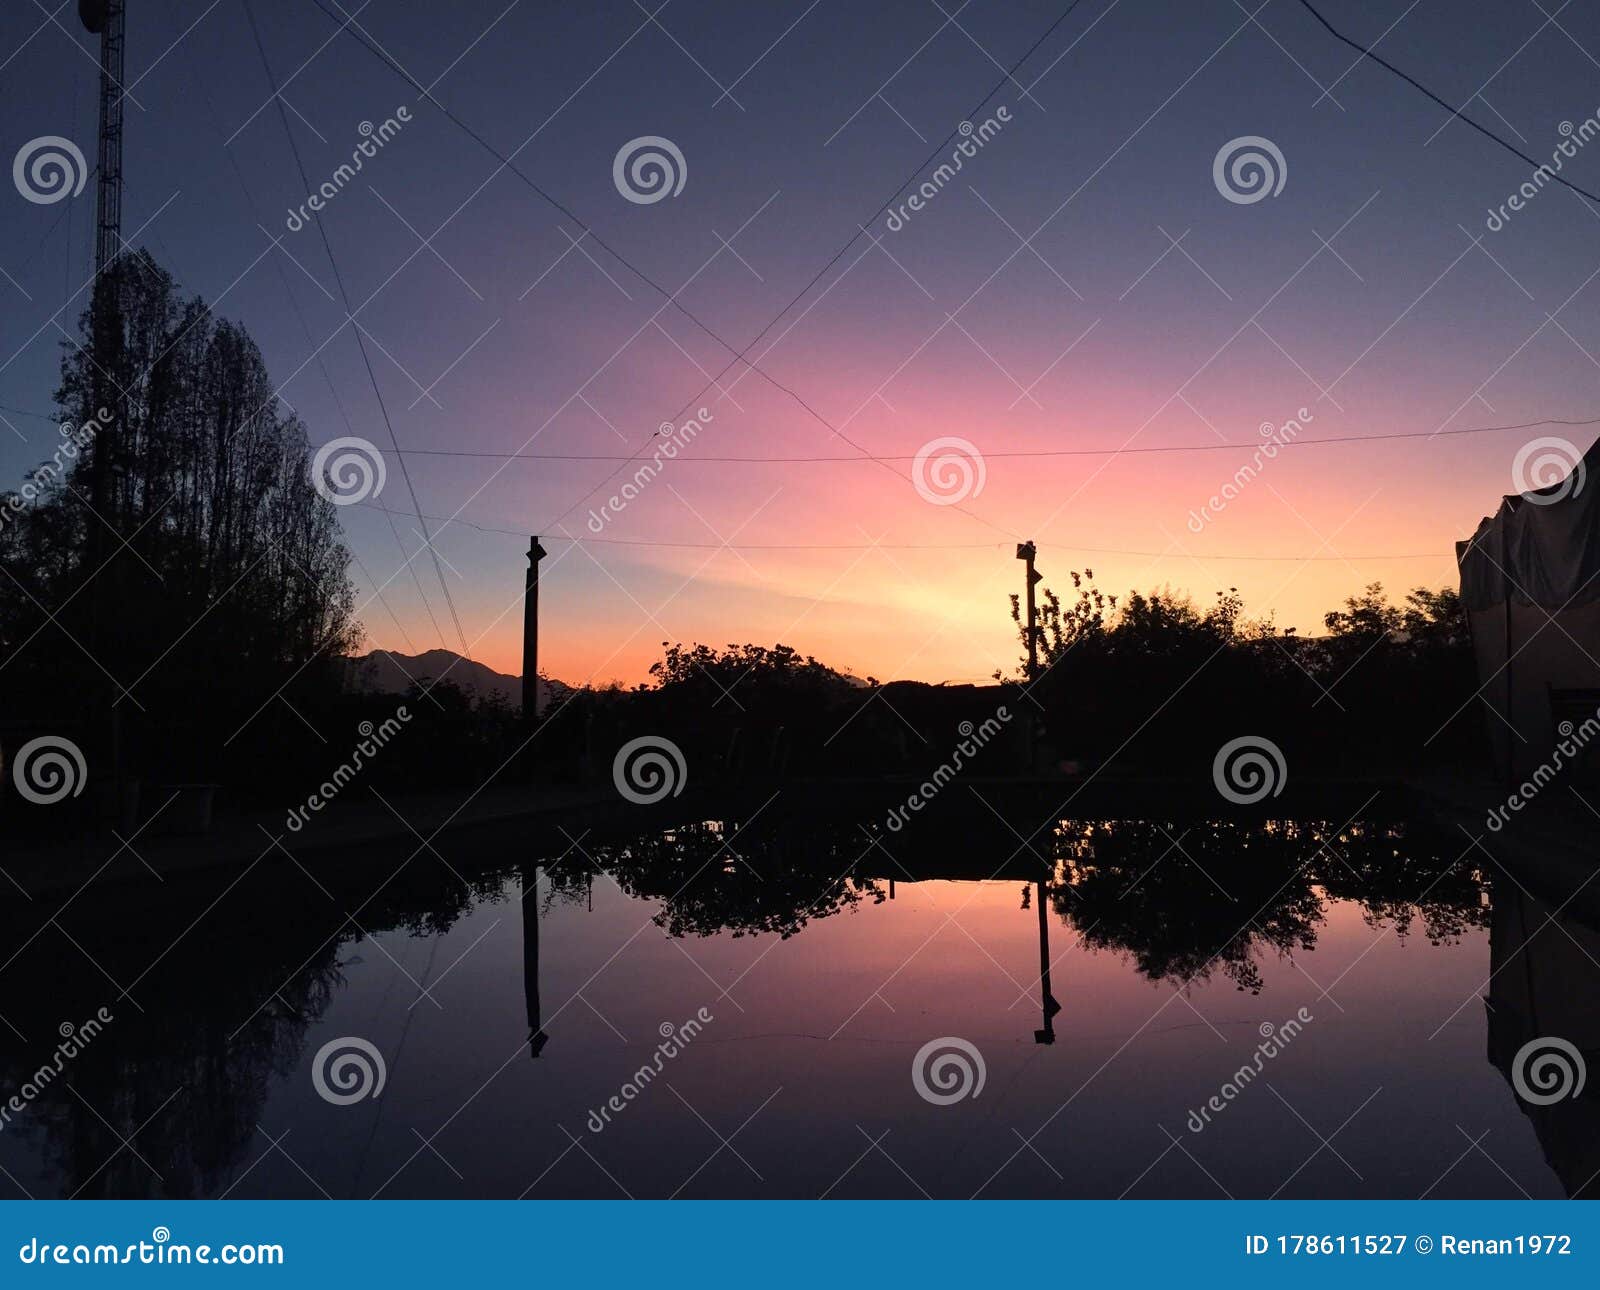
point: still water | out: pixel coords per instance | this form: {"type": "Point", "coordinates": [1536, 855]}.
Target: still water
{"type": "Point", "coordinates": [1294, 1009]}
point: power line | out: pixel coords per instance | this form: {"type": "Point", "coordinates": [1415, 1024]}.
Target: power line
{"type": "Point", "coordinates": [998, 546]}
{"type": "Point", "coordinates": [27, 262]}
{"type": "Point", "coordinates": [937, 150]}
{"type": "Point", "coordinates": [23, 412]}
{"type": "Point", "coordinates": [1454, 111]}
{"type": "Point", "coordinates": [1016, 452]}
{"type": "Point", "coordinates": [911, 546]}
{"type": "Point", "coordinates": [742, 355]}
{"type": "Point", "coordinates": [94, 175]}
{"type": "Point", "coordinates": [366, 359]}
{"type": "Point", "coordinates": [562, 537]}
{"type": "Point", "coordinates": [671, 297]}
{"type": "Point", "coordinates": [407, 562]}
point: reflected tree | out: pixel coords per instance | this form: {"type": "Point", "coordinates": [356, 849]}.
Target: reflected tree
{"type": "Point", "coordinates": [1187, 900]}
{"type": "Point", "coordinates": [714, 876]}
{"type": "Point", "coordinates": [166, 1101]}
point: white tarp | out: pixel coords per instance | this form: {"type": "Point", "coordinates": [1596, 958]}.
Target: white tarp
{"type": "Point", "coordinates": [1541, 547]}
{"type": "Point", "coordinates": [1530, 585]}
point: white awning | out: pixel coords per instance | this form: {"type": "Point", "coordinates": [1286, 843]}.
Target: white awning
{"type": "Point", "coordinates": [1540, 548]}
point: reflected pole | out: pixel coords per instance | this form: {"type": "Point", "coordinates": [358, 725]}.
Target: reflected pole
{"type": "Point", "coordinates": [537, 1039]}
{"type": "Point", "coordinates": [1047, 1001]}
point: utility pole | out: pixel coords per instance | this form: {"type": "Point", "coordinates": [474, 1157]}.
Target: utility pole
{"type": "Point", "coordinates": [530, 636]}
{"type": "Point", "coordinates": [1026, 552]}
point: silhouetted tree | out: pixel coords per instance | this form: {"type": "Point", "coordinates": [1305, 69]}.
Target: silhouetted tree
{"type": "Point", "coordinates": [183, 545]}
{"type": "Point", "coordinates": [1153, 681]}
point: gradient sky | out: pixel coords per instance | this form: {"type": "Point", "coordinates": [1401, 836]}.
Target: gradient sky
{"type": "Point", "coordinates": [796, 123]}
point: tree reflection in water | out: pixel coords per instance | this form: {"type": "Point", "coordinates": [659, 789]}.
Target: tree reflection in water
{"type": "Point", "coordinates": [1182, 900]}
{"type": "Point", "coordinates": [180, 1079]}
{"type": "Point", "coordinates": [715, 876]}
{"type": "Point", "coordinates": [222, 990]}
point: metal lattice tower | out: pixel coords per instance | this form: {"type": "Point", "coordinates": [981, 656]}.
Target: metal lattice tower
{"type": "Point", "coordinates": [105, 18]}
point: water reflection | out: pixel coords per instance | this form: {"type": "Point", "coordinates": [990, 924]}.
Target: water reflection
{"type": "Point", "coordinates": [224, 988]}
{"type": "Point", "coordinates": [537, 1039]}
{"type": "Point", "coordinates": [726, 876]}
{"type": "Point", "coordinates": [1544, 969]}
{"type": "Point", "coordinates": [1182, 900]}
{"type": "Point", "coordinates": [1048, 1004]}
{"type": "Point", "coordinates": [1185, 901]}
{"type": "Point", "coordinates": [220, 994]}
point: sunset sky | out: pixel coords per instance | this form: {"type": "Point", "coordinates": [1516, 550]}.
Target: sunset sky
{"type": "Point", "coordinates": [1356, 293]}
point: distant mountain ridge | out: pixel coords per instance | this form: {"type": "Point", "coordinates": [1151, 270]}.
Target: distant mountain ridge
{"type": "Point", "coordinates": [387, 672]}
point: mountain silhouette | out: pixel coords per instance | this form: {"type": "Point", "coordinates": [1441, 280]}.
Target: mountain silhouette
{"type": "Point", "coordinates": [388, 672]}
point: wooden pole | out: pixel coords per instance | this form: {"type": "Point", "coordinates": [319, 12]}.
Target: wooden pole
{"type": "Point", "coordinates": [1026, 552]}
{"type": "Point", "coordinates": [530, 636]}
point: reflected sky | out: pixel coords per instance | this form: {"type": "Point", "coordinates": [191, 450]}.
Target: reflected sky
{"type": "Point", "coordinates": [800, 1083]}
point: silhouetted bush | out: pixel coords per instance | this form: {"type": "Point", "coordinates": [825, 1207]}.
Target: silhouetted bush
{"type": "Point", "coordinates": [1155, 685]}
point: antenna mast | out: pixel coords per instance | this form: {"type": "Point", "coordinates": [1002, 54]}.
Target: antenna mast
{"type": "Point", "coordinates": [104, 18]}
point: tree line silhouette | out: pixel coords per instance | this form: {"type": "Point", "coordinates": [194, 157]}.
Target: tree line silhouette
{"type": "Point", "coordinates": [178, 566]}
{"type": "Point", "coordinates": [1143, 685]}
